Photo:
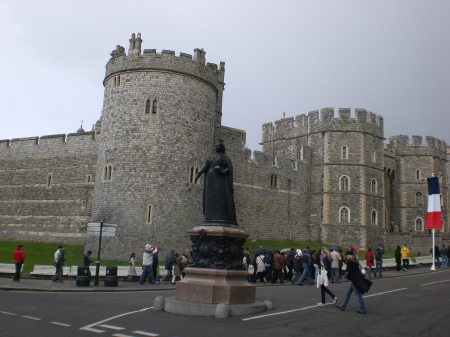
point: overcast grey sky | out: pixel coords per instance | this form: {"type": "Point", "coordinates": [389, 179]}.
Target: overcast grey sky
{"type": "Point", "coordinates": [390, 57]}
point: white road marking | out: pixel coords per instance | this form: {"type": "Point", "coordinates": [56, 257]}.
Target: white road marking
{"type": "Point", "coordinates": [146, 333]}
{"type": "Point", "coordinates": [112, 327]}
{"type": "Point", "coordinates": [279, 313]}
{"type": "Point", "coordinates": [92, 329]}
{"type": "Point", "coordinates": [121, 335]}
{"type": "Point", "coordinates": [29, 317]}
{"type": "Point", "coordinates": [311, 307]}
{"type": "Point", "coordinates": [89, 327]}
{"type": "Point", "coordinates": [7, 313]}
{"type": "Point", "coordinates": [385, 292]}
{"type": "Point", "coordinates": [62, 324]}
{"type": "Point", "coordinates": [427, 284]}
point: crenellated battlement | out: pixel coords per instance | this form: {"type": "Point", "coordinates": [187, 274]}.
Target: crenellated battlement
{"type": "Point", "coordinates": [324, 121]}
{"type": "Point", "coordinates": [71, 143]}
{"type": "Point", "coordinates": [150, 60]}
{"type": "Point", "coordinates": [416, 145]}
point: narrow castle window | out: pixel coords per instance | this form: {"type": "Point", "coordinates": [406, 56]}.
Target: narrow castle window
{"type": "Point", "coordinates": [419, 199]}
{"type": "Point", "coordinates": [300, 152]}
{"type": "Point", "coordinates": [149, 216]}
{"type": "Point", "coordinates": [374, 218]}
{"type": "Point", "coordinates": [419, 225]}
{"type": "Point", "coordinates": [49, 179]}
{"type": "Point", "coordinates": [373, 186]}
{"type": "Point", "coordinates": [344, 152]}
{"type": "Point", "coordinates": [88, 178]}
{"type": "Point", "coordinates": [344, 214]}
{"type": "Point", "coordinates": [147, 106]}
{"type": "Point", "coordinates": [155, 106]}
{"type": "Point", "coordinates": [418, 175]}
{"type": "Point", "coordinates": [107, 173]}
{"type": "Point", "coordinates": [374, 157]}
{"type": "Point", "coordinates": [192, 173]}
{"type": "Point", "coordinates": [83, 204]}
{"type": "Point", "coordinates": [344, 183]}
{"type": "Point", "coordinates": [274, 181]}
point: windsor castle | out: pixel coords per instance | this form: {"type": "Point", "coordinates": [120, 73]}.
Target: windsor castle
{"type": "Point", "coordinates": [326, 176]}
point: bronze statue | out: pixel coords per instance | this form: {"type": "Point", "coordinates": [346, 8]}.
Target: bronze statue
{"type": "Point", "coordinates": [218, 200]}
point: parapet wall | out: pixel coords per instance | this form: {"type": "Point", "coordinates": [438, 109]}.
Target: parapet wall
{"type": "Point", "coordinates": [303, 125]}
{"type": "Point", "coordinates": [165, 61]}
{"type": "Point", "coordinates": [404, 145]}
{"type": "Point", "coordinates": [51, 145]}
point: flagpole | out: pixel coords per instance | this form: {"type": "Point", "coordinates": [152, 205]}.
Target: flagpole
{"type": "Point", "coordinates": [433, 266]}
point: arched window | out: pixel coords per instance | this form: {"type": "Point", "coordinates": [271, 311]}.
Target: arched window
{"type": "Point", "coordinates": [418, 175]}
{"type": "Point", "coordinates": [155, 106]}
{"type": "Point", "coordinates": [274, 181]}
{"type": "Point", "coordinates": [344, 214]}
{"type": "Point", "coordinates": [374, 157]}
{"type": "Point", "coordinates": [419, 224]}
{"type": "Point", "coordinates": [344, 152]}
{"type": "Point", "coordinates": [147, 106]}
{"type": "Point", "coordinates": [373, 186]}
{"type": "Point", "coordinates": [344, 183]}
{"type": "Point", "coordinates": [374, 218]}
{"type": "Point", "coordinates": [418, 199]}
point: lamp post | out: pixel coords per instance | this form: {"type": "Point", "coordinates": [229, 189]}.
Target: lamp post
{"type": "Point", "coordinates": [289, 208]}
{"type": "Point", "coordinates": [97, 263]}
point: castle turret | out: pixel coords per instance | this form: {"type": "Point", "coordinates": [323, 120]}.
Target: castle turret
{"type": "Point", "coordinates": [157, 127]}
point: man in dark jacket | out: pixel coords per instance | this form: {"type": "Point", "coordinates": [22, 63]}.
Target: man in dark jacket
{"type": "Point", "coordinates": [379, 261]}
{"type": "Point", "coordinates": [170, 260]}
{"type": "Point", "coordinates": [290, 259]}
{"type": "Point", "coordinates": [306, 262]}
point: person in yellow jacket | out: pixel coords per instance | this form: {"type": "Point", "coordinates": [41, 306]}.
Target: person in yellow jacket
{"type": "Point", "coordinates": [405, 256]}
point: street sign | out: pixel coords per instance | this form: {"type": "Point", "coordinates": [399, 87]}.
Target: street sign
{"type": "Point", "coordinates": [93, 229]}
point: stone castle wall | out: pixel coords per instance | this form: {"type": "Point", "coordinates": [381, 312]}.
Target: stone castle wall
{"type": "Point", "coordinates": [46, 187]}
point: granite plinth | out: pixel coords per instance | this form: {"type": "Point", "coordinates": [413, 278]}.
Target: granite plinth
{"type": "Point", "coordinates": [214, 286]}
{"type": "Point", "coordinates": [174, 306]}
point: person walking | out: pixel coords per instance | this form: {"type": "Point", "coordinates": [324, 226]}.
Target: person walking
{"type": "Point", "coordinates": [147, 264]}
{"type": "Point", "coordinates": [369, 262]}
{"type": "Point", "coordinates": [87, 260]}
{"type": "Point", "coordinates": [290, 260]}
{"type": "Point", "coordinates": [358, 284]}
{"type": "Point", "coordinates": [323, 269]}
{"type": "Point", "coordinates": [19, 259]}
{"type": "Point", "coordinates": [405, 257]}
{"type": "Point", "coordinates": [398, 257]}
{"type": "Point", "coordinates": [379, 262]}
{"type": "Point", "coordinates": [131, 268]}
{"type": "Point", "coordinates": [444, 258]}
{"type": "Point", "coordinates": [260, 268]}
{"type": "Point", "coordinates": [278, 266]}
{"type": "Point", "coordinates": [306, 263]}
{"type": "Point", "coordinates": [59, 263]}
{"type": "Point", "coordinates": [268, 261]}
{"type": "Point", "coordinates": [177, 267]}
{"type": "Point", "coordinates": [170, 260]}
{"type": "Point", "coordinates": [336, 259]}
{"type": "Point", "coordinates": [298, 268]}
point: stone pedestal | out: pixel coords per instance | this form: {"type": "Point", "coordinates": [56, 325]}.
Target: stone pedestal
{"type": "Point", "coordinates": [214, 286]}
{"type": "Point", "coordinates": [216, 282]}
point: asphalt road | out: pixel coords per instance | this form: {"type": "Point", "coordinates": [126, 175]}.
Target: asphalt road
{"type": "Point", "coordinates": [413, 305]}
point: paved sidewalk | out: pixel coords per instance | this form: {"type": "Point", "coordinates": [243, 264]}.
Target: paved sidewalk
{"type": "Point", "coordinates": [33, 284]}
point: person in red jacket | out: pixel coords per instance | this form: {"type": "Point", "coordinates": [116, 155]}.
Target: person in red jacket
{"type": "Point", "coordinates": [19, 258]}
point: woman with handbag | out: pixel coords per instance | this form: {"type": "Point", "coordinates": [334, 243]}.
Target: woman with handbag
{"type": "Point", "coordinates": [369, 262]}
{"type": "Point", "coordinates": [358, 284]}
{"type": "Point", "coordinates": [323, 268]}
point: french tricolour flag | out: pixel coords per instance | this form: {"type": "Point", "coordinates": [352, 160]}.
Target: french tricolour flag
{"type": "Point", "coordinates": [434, 217]}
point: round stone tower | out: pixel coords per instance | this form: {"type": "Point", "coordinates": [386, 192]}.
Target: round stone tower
{"type": "Point", "coordinates": [157, 127]}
